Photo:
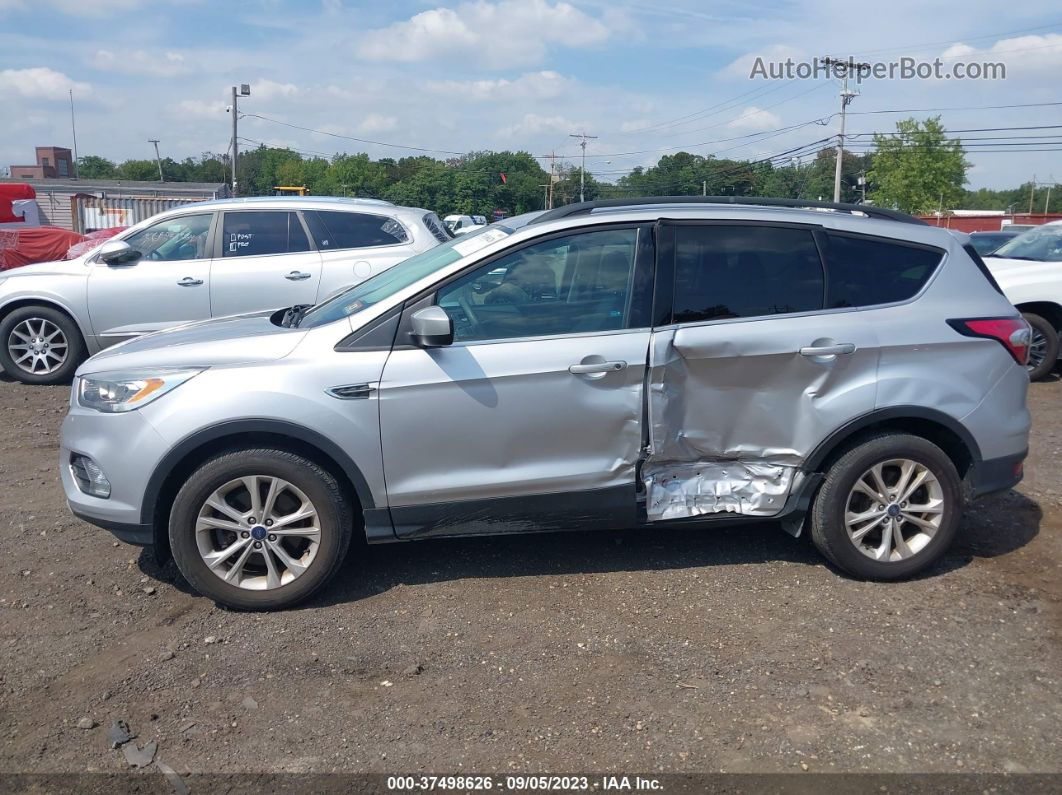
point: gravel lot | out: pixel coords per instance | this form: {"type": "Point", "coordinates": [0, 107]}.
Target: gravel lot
{"type": "Point", "coordinates": [679, 651]}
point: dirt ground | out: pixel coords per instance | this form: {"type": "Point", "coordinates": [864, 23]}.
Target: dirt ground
{"type": "Point", "coordinates": [679, 651]}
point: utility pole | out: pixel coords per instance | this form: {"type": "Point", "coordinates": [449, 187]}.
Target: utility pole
{"type": "Point", "coordinates": [157, 158]}
{"type": "Point", "coordinates": [847, 96]}
{"type": "Point", "coordinates": [545, 195]}
{"type": "Point", "coordinates": [73, 129]}
{"type": "Point", "coordinates": [245, 91]}
{"type": "Point", "coordinates": [1047, 202]}
{"type": "Point", "coordinates": [1032, 191]}
{"type": "Point", "coordinates": [704, 187]}
{"type": "Point", "coordinates": [552, 157]}
{"type": "Point", "coordinates": [582, 169]}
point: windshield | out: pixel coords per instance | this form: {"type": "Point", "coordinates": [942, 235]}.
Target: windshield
{"type": "Point", "coordinates": [1044, 243]}
{"type": "Point", "coordinates": [384, 285]}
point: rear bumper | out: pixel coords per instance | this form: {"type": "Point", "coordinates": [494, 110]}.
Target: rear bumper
{"type": "Point", "coordinates": [995, 474]}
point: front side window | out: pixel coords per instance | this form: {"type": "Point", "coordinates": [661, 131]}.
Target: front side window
{"type": "Point", "coordinates": [724, 271]}
{"type": "Point", "coordinates": [341, 230]}
{"type": "Point", "coordinates": [575, 284]}
{"type": "Point", "coordinates": [252, 234]}
{"type": "Point", "coordinates": [866, 271]}
{"type": "Point", "coordinates": [181, 238]}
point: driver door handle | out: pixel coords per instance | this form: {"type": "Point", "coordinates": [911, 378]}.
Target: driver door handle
{"type": "Point", "coordinates": [828, 350]}
{"type": "Point", "coordinates": [596, 367]}
{"type": "Point", "coordinates": [188, 281]}
{"type": "Point", "coordinates": [297, 276]}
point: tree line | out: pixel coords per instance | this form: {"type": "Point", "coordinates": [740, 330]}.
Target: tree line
{"type": "Point", "coordinates": [916, 169]}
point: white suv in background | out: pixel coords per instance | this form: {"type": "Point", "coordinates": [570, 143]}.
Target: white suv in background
{"type": "Point", "coordinates": [1029, 271]}
{"type": "Point", "coordinates": [199, 261]}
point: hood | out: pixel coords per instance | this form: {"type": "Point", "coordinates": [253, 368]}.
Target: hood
{"type": "Point", "coordinates": [70, 267]}
{"type": "Point", "coordinates": [240, 339]}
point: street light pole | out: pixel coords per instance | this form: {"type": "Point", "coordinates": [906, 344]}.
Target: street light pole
{"type": "Point", "coordinates": [582, 168]}
{"type": "Point", "coordinates": [158, 160]}
{"type": "Point", "coordinates": [245, 91]}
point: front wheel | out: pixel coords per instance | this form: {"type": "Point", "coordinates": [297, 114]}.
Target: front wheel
{"type": "Point", "coordinates": [1043, 347]}
{"type": "Point", "coordinates": [40, 345]}
{"type": "Point", "coordinates": [259, 529]}
{"type": "Point", "coordinates": [888, 508]}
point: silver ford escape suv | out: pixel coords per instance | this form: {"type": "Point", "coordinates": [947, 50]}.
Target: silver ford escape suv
{"type": "Point", "coordinates": [615, 364]}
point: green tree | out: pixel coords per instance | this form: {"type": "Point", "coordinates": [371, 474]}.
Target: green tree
{"type": "Point", "coordinates": [139, 170]}
{"type": "Point", "coordinates": [95, 167]}
{"type": "Point", "coordinates": [918, 169]}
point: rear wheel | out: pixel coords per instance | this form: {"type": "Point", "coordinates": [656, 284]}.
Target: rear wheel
{"type": "Point", "coordinates": [40, 345]}
{"type": "Point", "coordinates": [888, 508]}
{"type": "Point", "coordinates": [1043, 349]}
{"type": "Point", "coordinates": [259, 529]}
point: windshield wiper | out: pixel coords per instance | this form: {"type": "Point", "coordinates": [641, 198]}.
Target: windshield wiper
{"type": "Point", "coordinates": [294, 314]}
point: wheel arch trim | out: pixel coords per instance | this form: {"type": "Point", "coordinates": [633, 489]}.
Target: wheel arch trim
{"type": "Point", "coordinates": [234, 429]}
{"type": "Point", "coordinates": [832, 442]}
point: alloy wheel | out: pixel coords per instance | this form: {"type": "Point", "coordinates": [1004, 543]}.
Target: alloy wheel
{"type": "Point", "coordinates": [258, 532]}
{"type": "Point", "coordinates": [1037, 349]}
{"type": "Point", "coordinates": [37, 346]}
{"type": "Point", "coordinates": [894, 510]}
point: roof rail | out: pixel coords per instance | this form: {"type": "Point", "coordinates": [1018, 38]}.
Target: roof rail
{"type": "Point", "coordinates": [581, 208]}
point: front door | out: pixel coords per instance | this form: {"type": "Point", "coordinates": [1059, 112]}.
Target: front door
{"type": "Point", "coordinates": [751, 373]}
{"type": "Point", "coordinates": [264, 261]}
{"type": "Point", "coordinates": [168, 286]}
{"type": "Point", "coordinates": [531, 419]}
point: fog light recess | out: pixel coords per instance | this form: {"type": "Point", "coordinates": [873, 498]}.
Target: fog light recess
{"type": "Point", "coordinates": [89, 477]}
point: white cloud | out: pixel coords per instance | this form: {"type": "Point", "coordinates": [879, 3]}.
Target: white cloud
{"type": "Point", "coordinates": [753, 119]}
{"type": "Point", "coordinates": [742, 67]}
{"type": "Point", "coordinates": [1023, 52]}
{"type": "Point", "coordinates": [377, 123]}
{"type": "Point", "coordinates": [268, 89]}
{"type": "Point", "coordinates": [39, 82]}
{"type": "Point", "coordinates": [503, 34]}
{"type": "Point", "coordinates": [199, 109]}
{"type": "Point", "coordinates": [531, 86]}
{"type": "Point", "coordinates": [139, 62]}
{"type": "Point", "coordinates": [534, 124]}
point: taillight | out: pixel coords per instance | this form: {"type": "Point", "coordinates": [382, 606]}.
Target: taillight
{"type": "Point", "coordinates": [1013, 333]}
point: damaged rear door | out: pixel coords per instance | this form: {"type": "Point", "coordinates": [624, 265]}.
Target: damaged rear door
{"type": "Point", "coordinates": [748, 373]}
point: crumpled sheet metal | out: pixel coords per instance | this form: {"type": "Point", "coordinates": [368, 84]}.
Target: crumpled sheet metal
{"type": "Point", "coordinates": [711, 398]}
{"type": "Point", "coordinates": [710, 487]}
{"type": "Point", "coordinates": [733, 417]}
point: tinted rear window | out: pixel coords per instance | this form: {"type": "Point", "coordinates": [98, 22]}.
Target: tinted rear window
{"type": "Point", "coordinates": [338, 230]}
{"type": "Point", "coordinates": [250, 234]}
{"type": "Point", "coordinates": [866, 271]}
{"type": "Point", "coordinates": [744, 271]}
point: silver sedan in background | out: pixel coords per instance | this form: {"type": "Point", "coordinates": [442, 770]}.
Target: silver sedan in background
{"type": "Point", "coordinates": [204, 260]}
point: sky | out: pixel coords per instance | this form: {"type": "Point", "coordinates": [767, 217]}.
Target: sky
{"type": "Point", "coordinates": [450, 77]}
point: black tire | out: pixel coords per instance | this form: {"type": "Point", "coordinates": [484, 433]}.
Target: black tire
{"type": "Point", "coordinates": [75, 352]}
{"type": "Point", "coordinates": [828, 530]}
{"type": "Point", "coordinates": [1043, 326]}
{"type": "Point", "coordinates": [334, 511]}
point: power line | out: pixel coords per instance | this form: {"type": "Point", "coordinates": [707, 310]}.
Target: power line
{"type": "Point", "coordinates": [351, 137]}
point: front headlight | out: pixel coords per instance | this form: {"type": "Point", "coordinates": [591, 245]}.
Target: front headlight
{"type": "Point", "coordinates": [117, 392]}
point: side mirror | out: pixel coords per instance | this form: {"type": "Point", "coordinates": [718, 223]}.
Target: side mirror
{"type": "Point", "coordinates": [432, 327]}
{"type": "Point", "coordinates": [118, 253]}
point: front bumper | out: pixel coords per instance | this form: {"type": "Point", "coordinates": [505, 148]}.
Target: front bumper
{"type": "Point", "coordinates": [128, 449]}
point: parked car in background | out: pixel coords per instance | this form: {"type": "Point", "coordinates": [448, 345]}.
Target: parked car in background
{"type": "Point", "coordinates": [195, 262]}
{"type": "Point", "coordinates": [1028, 269]}
{"type": "Point", "coordinates": [463, 224]}
{"type": "Point", "coordinates": [626, 363]}
{"type": "Point", "coordinates": [987, 242]}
